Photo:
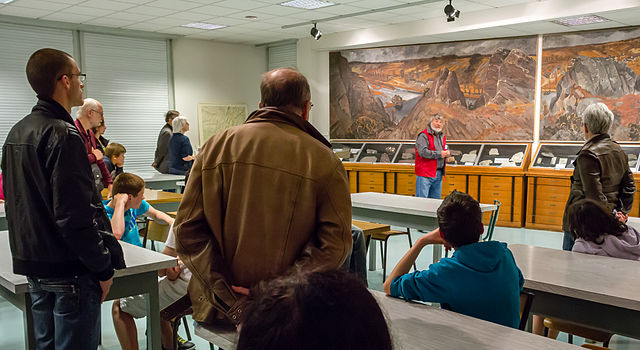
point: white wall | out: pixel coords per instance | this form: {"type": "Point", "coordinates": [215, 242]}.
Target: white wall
{"type": "Point", "coordinates": [516, 20]}
{"type": "Point", "coordinates": [206, 71]}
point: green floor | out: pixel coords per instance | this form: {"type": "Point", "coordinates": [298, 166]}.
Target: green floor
{"type": "Point", "coordinates": [11, 328]}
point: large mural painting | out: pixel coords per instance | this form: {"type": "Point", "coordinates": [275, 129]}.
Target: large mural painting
{"type": "Point", "coordinates": [485, 90]}
{"type": "Point", "coordinates": [583, 68]}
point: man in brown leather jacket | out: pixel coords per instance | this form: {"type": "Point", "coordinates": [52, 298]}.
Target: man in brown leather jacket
{"type": "Point", "coordinates": [262, 198]}
{"type": "Point", "coordinates": [601, 169]}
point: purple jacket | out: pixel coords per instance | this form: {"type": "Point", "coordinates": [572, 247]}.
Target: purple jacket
{"type": "Point", "coordinates": [625, 246]}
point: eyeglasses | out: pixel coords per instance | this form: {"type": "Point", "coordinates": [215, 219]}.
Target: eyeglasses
{"type": "Point", "coordinates": [311, 105]}
{"type": "Point", "coordinates": [101, 114]}
{"type": "Point", "coordinates": [81, 76]}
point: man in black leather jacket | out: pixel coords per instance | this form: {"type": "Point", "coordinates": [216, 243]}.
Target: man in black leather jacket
{"type": "Point", "coordinates": [50, 210]}
{"type": "Point", "coordinates": [601, 169]}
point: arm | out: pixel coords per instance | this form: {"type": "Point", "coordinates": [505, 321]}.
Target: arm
{"type": "Point", "coordinates": [186, 151]}
{"type": "Point", "coordinates": [404, 265]}
{"type": "Point", "coordinates": [158, 215]}
{"type": "Point", "coordinates": [627, 191]}
{"type": "Point", "coordinates": [588, 167]}
{"type": "Point", "coordinates": [333, 240]}
{"type": "Point", "coordinates": [117, 220]}
{"type": "Point", "coordinates": [422, 144]}
{"type": "Point", "coordinates": [72, 193]}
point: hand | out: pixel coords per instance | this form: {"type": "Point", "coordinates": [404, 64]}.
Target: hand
{"type": "Point", "coordinates": [105, 285]}
{"type": "Point", "coordinates": [622, 217]}
{"type": "Point", "coordinates": [153, 164]}
{"type": "Point", "coordinates": [445, 154]}
{"type": "Point", "coordinates": [432, 237]}
{"type": "Point", "coordinates": [173, 273]}
{"type": "Point", "coordinates": [240, 290]}
{"type": "Point", "coordinates": [97, 153]}
{"type": "Point", "coordinates": [121, 198]}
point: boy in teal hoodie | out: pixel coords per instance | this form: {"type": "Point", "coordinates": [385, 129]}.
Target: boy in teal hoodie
{"type": "Point", "coordinates": [481, 279]}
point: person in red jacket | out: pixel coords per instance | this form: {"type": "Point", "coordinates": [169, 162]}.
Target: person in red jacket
{"type": "Point", "coordinates": [431, 154]}
{"type": "Point", "coordinates": [91, 115]}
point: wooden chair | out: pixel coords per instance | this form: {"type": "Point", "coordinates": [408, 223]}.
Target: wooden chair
{"type": "Point", "coordinates": [382, 237]}
{"type": "Point", "coordinates": [492, 221]}
{"type": "Point", "coordinates": [526, 299]}
{"type": "Point", "coordinates": [575, 329]}
{"type": "Point", "coordinates": [154, 231]}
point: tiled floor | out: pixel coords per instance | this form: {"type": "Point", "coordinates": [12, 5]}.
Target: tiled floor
{"type": "Point", "coordinates": [11, 328]}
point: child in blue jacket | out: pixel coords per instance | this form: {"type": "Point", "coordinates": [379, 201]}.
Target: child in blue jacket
{"type": "Point", "coordinates": [481, 279]}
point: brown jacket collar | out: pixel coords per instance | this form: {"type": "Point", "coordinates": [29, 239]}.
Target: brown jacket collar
{"type": "Point", "coordinates": [274, 114]}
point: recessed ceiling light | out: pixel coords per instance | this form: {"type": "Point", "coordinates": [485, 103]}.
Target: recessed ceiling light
{"type": "Point", "coordinates": [251, 17]}
{"type": "Point", "coordinates": [307, 4]}
{"type": "Point", "coordinates": [5, 1]}
{"type": "Point", "coordinates": [201, 25]}
{"type": "Point", "coordinates": [580, 20]}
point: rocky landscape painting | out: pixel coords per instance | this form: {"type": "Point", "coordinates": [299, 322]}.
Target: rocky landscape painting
{"type": "Point", "coordinates": [485, 90]}
{"type": "Point", "coordinates": [582, 68]}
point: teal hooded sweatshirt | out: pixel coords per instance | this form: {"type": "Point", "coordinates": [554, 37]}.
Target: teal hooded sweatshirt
{"type": "Point", "coordinates": [480, 280]}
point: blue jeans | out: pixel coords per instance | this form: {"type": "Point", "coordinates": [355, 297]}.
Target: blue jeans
{"type": "Point", "coordinates": [66, 312]}
{"type": "Point", "coordinates": [429, 187]}
{"type": "Point", "coordinates": [567, 242]}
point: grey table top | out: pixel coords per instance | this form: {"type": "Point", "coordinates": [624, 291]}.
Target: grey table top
{"type": "Point", "coordinates": [600, 279]}
{"type": "Point", "coordinates": [138, 259]}
{"type": "Point", "coordinates": [153, 175]}
{"type": "Point", "coordinates": [401, 204]}
{"type": "Point", "coordinates": [419, 326]}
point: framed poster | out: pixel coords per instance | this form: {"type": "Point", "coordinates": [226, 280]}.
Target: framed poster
{"type": "Point", "coordinates": [214, 118]}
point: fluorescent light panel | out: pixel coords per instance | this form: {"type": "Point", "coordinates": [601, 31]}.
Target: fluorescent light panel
{"type": "Point", "coordinates": [580, 20]}
{"type": "Point", "coordinates": [307, 4]}
{"type": "Point", "coordinates": [5, 1]}
{"type": "Point", "coordinates": [201, 25]}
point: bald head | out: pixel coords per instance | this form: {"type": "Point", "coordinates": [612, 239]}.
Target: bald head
{"type": "Point", "coordinates": [284, 87]}
{"type": "Point", "coordinates": [91, 113]}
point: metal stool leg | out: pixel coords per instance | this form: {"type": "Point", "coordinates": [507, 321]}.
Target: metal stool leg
{"type": "Point", "coordinates": [186, 327]}
{"type": "Point", "coordinates": [384, 264]}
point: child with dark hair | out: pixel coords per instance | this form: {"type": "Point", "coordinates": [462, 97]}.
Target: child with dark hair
{"type": "Point", "coordinates": [600, 232]}
{"type": "Point", "coordinates": [313, 311]}
{"type": "Point", "coordinates": [481, 279]}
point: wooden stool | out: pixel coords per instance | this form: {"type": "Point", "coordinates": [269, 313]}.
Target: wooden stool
{"type": "Point", "coordinates": [383, 237]}
{"type": "Point", "coordinates": [581, 331]}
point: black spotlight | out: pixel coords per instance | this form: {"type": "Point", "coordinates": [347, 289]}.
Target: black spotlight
{"type": "Point", "coordinates": [315, 33]}
{"type": "Point", "coordinates": [451, 12]}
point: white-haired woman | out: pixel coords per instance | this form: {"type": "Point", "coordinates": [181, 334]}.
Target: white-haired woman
{"type": "Point", "coordinates": [601, 169]}
{"type": "Point", "coordinates": [180, 150]}
{"type": "Point", "coordinates": [431, 155]}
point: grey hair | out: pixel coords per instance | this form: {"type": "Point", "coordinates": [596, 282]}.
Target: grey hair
{"type": "Point", "coordinates": [436, 116]}
{"type": "Point", "coordinates": [179, 123]}
{"type": "Point", "coordinates": [598, 118]}
{"type": "Point", "coordinates": [88, 104]}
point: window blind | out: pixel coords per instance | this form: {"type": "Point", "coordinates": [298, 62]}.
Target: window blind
{"type": "Point", "coordinates": [283, 55]}
{"type": "Point", "coordinates": [129, 77]}
{"type": "Point", "coordinates": [17, 43]}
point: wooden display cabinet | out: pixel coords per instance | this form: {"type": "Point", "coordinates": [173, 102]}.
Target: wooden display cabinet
{"type": "Point", "coordinates": [549, 184]}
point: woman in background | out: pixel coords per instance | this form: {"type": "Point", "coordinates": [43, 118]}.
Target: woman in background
{"type": "Point", "coordinates": [180, 150]}
{"type": "Point", "coordinates": [101, 141]}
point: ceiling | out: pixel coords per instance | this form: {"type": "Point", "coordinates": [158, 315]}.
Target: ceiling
{"type": "Point", "coordinates": [167, 16]}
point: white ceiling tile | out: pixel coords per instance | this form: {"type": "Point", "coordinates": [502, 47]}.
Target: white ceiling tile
{"type": "Point", "coordinates": [127, 16]}
{"type": "Point", "coordinates": [137, 2]}
{"type": "Point", "coordinates": [179, 5]}
{"type": "Point", "coordinates": [168, 22]}
{"type": "Point", "coordinates": [181, 30]}
{"type": "Point", "coordinates": [146, 26]}
{"type": "Point", "coordinates": [214, 10]}
{"type": "Point", "coordinates": [278, 10]}
{"type": "Point", "coordinates": [226, 21]}
{"type": "Point", "coordinates": [261, 16]}
{"type": "Point", "coordinates": [70, 2]}
{"type": "Point", "coordinates": [62, 17]}
{"type": "Point", "coordinates": [242, 4]}
{"type": "Point", "coordinates": [40, 4]}
{"type": "Point", "coordinates": [150, 10]}
{"type": "Point", "coordinates": [108, 5]}
{"type": "Point", "coordinates": [23, 12]}
{"type": "Point", "coordinates": [110, 22]}
{"type": "Point", "coordinates": [81, 11]}
{"type": "Point", "coordinates": [602, 25]}
{"type": "Point", "coordinates": [375, 4]}
{"type": "Point", "coordinates": [340, 9]}
{"type": "Point", "coordinates": [190, 16]}
{"type": "Point", "coordinates": [259, 26]}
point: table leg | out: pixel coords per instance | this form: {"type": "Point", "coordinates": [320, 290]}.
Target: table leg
{"type": "Point", "coordinates": [153, 311]}
{"type": "Point", "coordinates": [372, 257]}
{"type": "Point", "coordinates": [23, 302]}
{"type": "Point", "coordinates": [437, 252]}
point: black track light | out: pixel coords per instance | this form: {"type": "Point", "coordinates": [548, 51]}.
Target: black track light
{"type": "Point", "coordinates": [451, 12]}
{"type": "Point", "coordinates": [315, 33]}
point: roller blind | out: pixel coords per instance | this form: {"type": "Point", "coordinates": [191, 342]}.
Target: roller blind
{"type": "Point", "coordinates": [17, 43]}
{"type": "Point", "coordinates": [129, 77]}
{"type": "Point", "coordinates": [283, 56]}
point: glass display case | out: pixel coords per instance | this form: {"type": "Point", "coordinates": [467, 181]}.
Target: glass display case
{"type": "Point", "coordinates": [347, 152]}
{"type": "Point", "coordinates": [407, 154]}
{"type": "Point", "coordinates": [633, 153]}
{"type": "Point", "coordinates": [463, 153]}
{"type": "Point", "coordinates": [378, 152]}
{"type": "Point", "coordinates": [557, 156]}
{"type": "Point", "coordinates": [502, 155]}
